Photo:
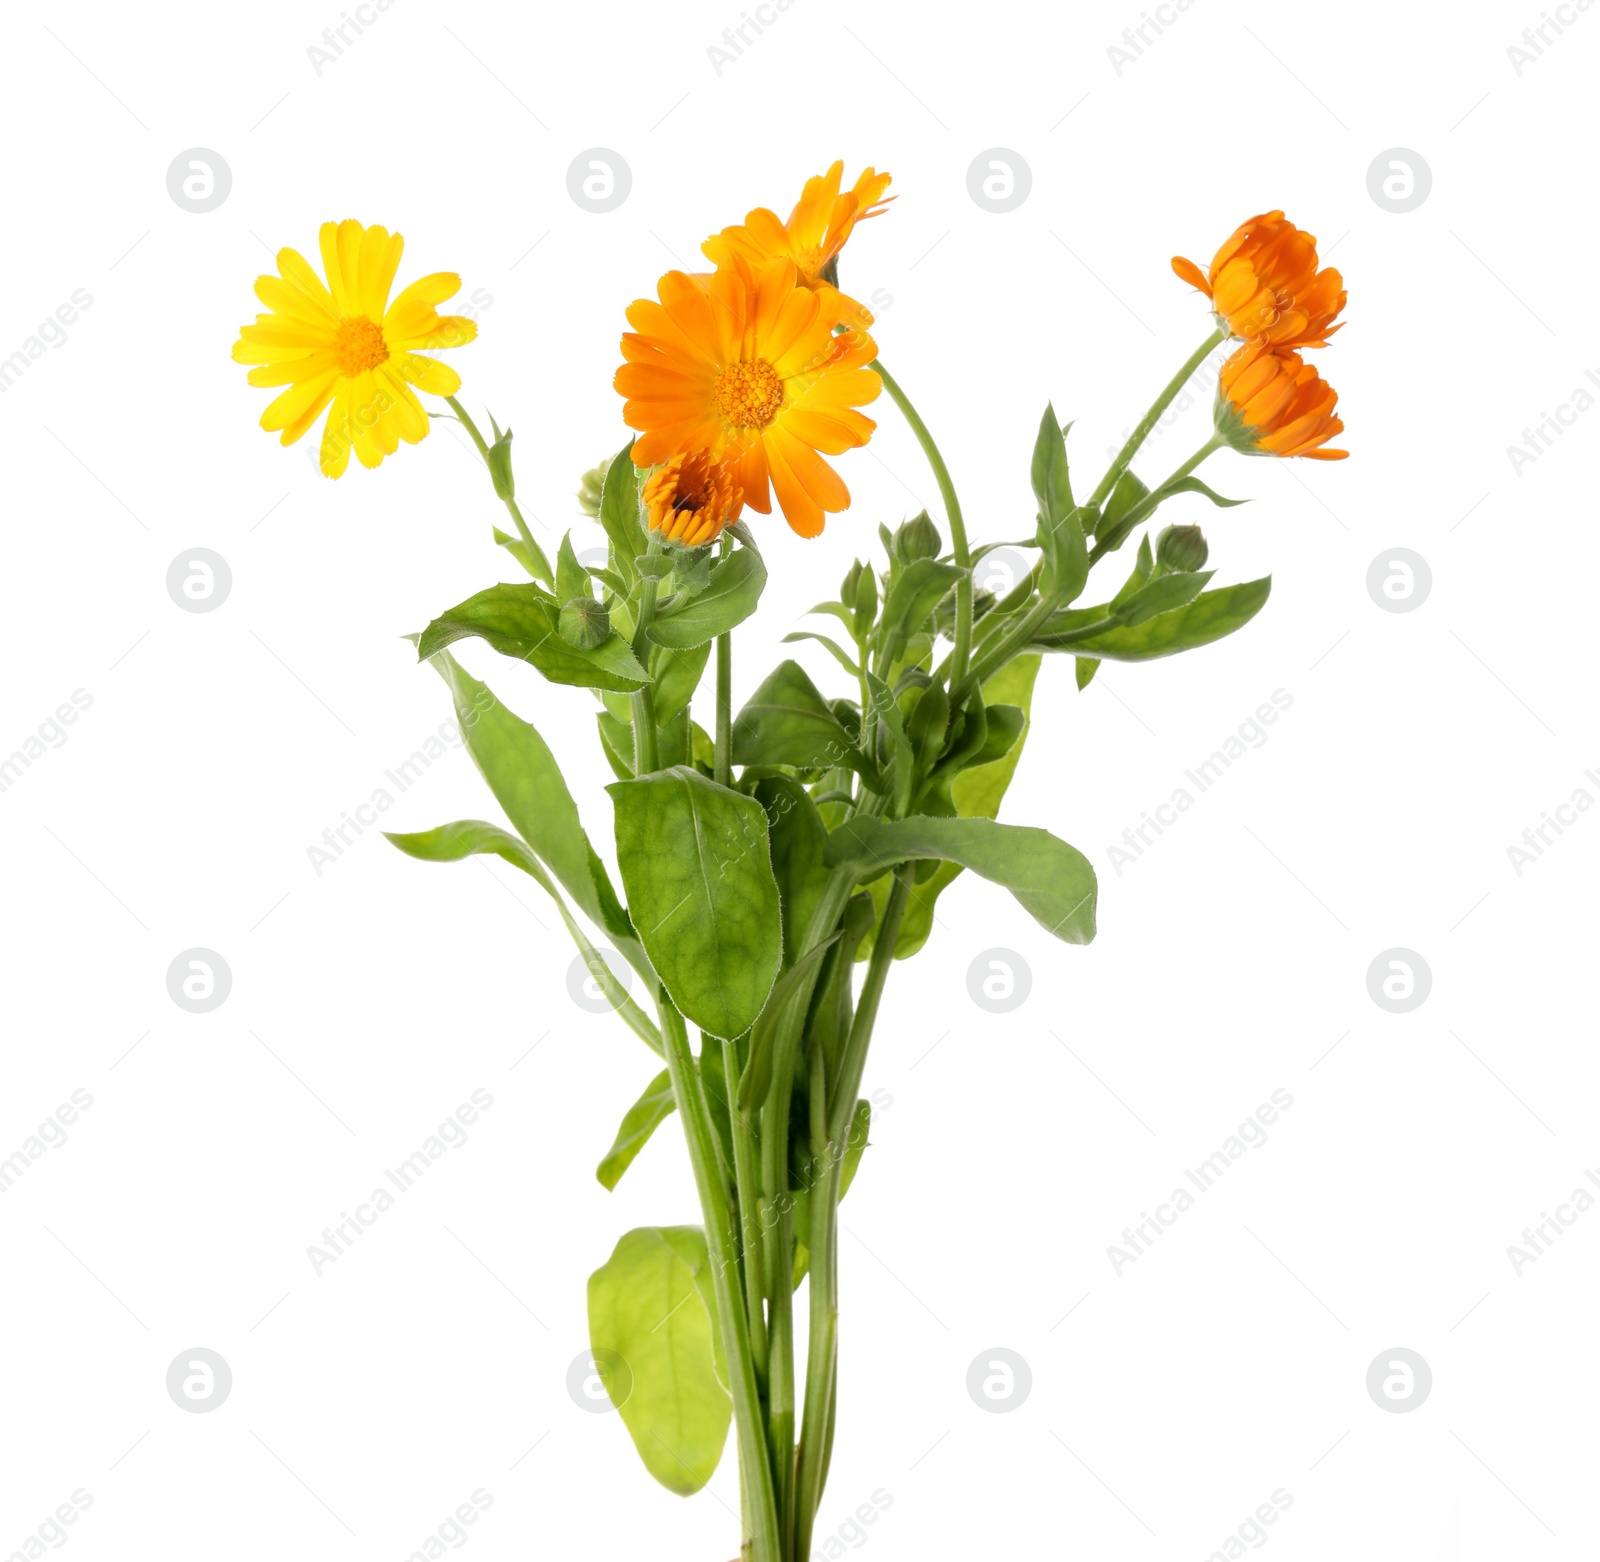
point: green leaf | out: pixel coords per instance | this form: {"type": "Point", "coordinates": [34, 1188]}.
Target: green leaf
{"type": "Point", "coordinates": [1084, 670]}
{"type": "Point", "coordinates": [522, 621]}
{"type": "Point", "coordinates": [729, 598]}
{"type": "Point", "coordinates": [1162, 594]}
{"type": "Point", "coordinates": [756, 1080]}
{"type": "Point", "coordinates": [787, 722]}
{"type": "Point", "coordinates": [1053, 881]}
{"type": "Point", "coordinates": [837, 651]}
{"type": "Point", "coordinates": [526, 782]}
{"type": "Point", "coordinates": [572, 579]}
{"type": "Point", "coordinates": [913, 594]}
{"type": "Point", "coordinates": [531, 559]}
{"type": "Point", "coordinates": [641, 1120]}
{"type": "Point", "coordinates": [476, 837]}
{"type": "Point", "coordinates": [652, 1331]}
{"type": "Point", "coordinates": [1209, 617]}
{"type": "Point", "coordinates": [695, 865]}
{"type": "Point", "coordinates": [677, 675]}
{"type": "Point", "coordinates": [1193, 485]}
{"type": "Point", "coordinates": [865, 610]}
{"type": "Point", "coordinates": [1128, 492]}
{"type": "Point", "coordinates": [616, 742]}
{"type": "Point", "coordinates": [799, 844]}
{"type": "Point", "coordinates": [1052, 484]}
{"type": "Point", "coordinates": [619, 511]}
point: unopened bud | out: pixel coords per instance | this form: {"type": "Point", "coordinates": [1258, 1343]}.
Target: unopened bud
{"type": "Point", "coordinates": [584, 623]}
{"type": "Point", "coordinates": [1182, 548]}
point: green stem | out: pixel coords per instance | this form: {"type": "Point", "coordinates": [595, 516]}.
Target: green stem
{"type": "Point", "coordinates": [747, 1181]}
{"type": "Point", "coordinates": [1142, 428]}
{"type": "Point", "coordinates": [724, 753]}
{"type": "Point", "coordinates": [534, 550]}
{"type": "Point", "coordinates": [1147, 505]}
{"type": "Point", "coordinates": [645, 749]}
{"type": "Point", "coordinates": [830, 1130]}
{"type": "Point", "coordinates": [723, 1247]}
{"type": "Point", "coordinates": [952, 510]}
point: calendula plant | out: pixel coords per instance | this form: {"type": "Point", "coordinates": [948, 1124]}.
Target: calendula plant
{"type": "Point", "coordinates": [767, 860]}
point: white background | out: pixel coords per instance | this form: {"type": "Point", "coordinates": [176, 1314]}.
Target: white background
{"type": "Point", "coordinates": [370, 1000]}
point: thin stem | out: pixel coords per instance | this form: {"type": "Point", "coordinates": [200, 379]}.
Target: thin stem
{"type": "Point", "coordinates": [1147, 505]}
{"type": "Point", "coordinates": [1142, 428]}
{"type": "Point", "coordinates": [534, 550]}
{"type": "Point", "coordinates": [645, 750]}
{"type": "Point", "coordinates": [722, 1243]}
{"type": "Point", "coordinates": [747, 1181]}
{"type": "Point", "coordinates": [724, 754]}
{"type": "Point", "coordinates": [830, 1140]}
{"type": "Point", "coordinates": [952, 510]}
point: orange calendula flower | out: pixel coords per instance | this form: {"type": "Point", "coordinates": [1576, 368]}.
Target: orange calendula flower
{"type": "Point", "coordinates": [345, 343]}
{"type": "Point", "coordinates": [1272, 403]}
{"type": "Point", "coordinates": [823, 219]}
{"type": "Point", "coordinates": [744, 366]}
{"type": "Point", "coordinates": [1264, 285]}
{"type": "Point", "coordinates": [692, 499]}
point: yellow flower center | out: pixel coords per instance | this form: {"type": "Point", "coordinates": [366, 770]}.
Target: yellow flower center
{"type": "Point", "coordinates": [358, 345]}
{"type": "Point", "coordinates": [749, 395]}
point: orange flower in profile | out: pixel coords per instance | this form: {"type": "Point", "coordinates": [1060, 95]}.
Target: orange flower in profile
{"type": "Point", "coordinates": [1272, 403]}
{"type": "Point", "coordinates": [745, 367]}
{"type": "Point", "coordinates": [822, 220]}
{"type": "Point", "coordinates": [1264, 285]}
{"type": "Point", "coordinates": [691, 499]}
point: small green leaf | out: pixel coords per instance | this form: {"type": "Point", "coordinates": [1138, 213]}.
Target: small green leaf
{"type": "Point", "coordinates": [652, 1329]}
{"type": "Point", "coordinates": [572, 580]}
{"type": "Point", "coordinates": [1193, 485]}
{"type": "Point", "coordinates": [1162, 594]}
{"type": "Point", "coordinates": [834, 649]}
{"type": "Point", "coordinates": [1128, 492]}
{"type": "Point", "coordinates": [799, 843]}
{"type": "Point", "coordinates": [677, 675]}
{"type": "Point", "coordinates": [619, 511]}
{"type": "Point", "coordinates": [1052, 880]}
{"type": "Point", "coordinates": [531, 559]}
{"type": "Point", "coordinates": [695, 865]}
{"type": "Point", "coordinates": [1052, 484]}
{"type": "Point", "coordinates": [524, 621]}
{"type": "Point", "coordinates": [787, 722]}
{"type": "Point", "coordinates": [915, 592]}
{"type": "Point", "coordinates": [1084, 670]}
{"type": "Point", "coordinates": [756, 1080]}
{"type": "Point", "coordinates": [730, 597]}
{"type": "Point", "coordinates": [1210, 617]}
{"type": "Point", "coordinates": [641, 1120]}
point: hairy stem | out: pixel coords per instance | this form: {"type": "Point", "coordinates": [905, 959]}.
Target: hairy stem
{"type": "Point", "coordinates": [535, 552]}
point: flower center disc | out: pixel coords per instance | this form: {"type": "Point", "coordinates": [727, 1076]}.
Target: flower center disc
{"type": "Point", "coordinates": [358, 345]}
{"type": "Point", "coordinates": [749, 395]}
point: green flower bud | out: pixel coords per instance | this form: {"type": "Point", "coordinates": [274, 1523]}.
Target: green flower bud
{"type": "Point", "coordinates": [918, 538]}
{"type": "Point", "coordinates": [584, 623]}
{"type": "Point", "coordinates": [848, 587]}
{"type": "Point", "coordinates": [589, 489]}
{"type": "Point", "coordinates": [1182, 548]}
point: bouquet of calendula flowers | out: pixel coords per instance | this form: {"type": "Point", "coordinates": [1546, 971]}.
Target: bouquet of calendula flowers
{"type": "Point", "coordinates": [766, 858]}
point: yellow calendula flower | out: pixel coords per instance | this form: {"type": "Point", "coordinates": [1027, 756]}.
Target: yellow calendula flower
{"type": "Point", "coordinates": [818, 228]}
{"type": "Point", "coordinates": [345, 343]}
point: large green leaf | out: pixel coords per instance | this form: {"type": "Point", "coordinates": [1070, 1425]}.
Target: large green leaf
{"type": "Point", "coordinates": [1053, 881]}
{"type": "Point", "coordinates": [526, 782]}
{"type": "Point", "coordinates": [641, 1120]}
{"type": "Point", "coordinates": [523, 621]}
{"type": "Point", "coordinates": [976, 793]}
{"type": "Point", "coordinates": [730, 598]}
{"type": "Point", "coordinates": [652, 1330]}
{"type": "Point", "coordinates": [696, 867]}
{"type": "Point", "coordinates": [787, 722]}
{"type": "Point", "coordinates": [1209, 617]}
